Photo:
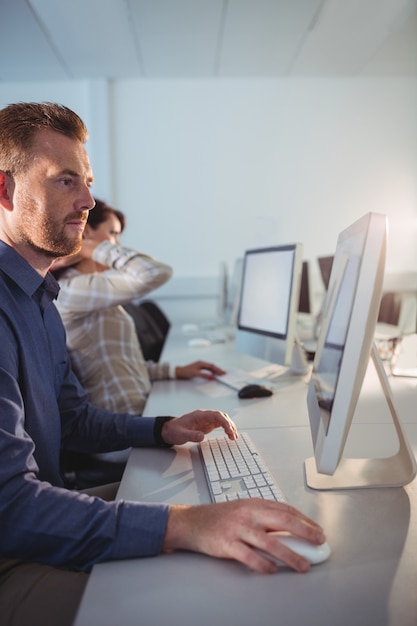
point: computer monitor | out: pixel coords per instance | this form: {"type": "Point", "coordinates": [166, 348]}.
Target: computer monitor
{"type": "Point", "coordinates": [267, 318]}
{"type": "Point", "coordinates": [222, 291]}
{"type": "Point", "coordinates": [345, 345]}
{"type": "Point", "coordinates": [233, 294]}
{"type": "Point", "coordinates": [304, 303]}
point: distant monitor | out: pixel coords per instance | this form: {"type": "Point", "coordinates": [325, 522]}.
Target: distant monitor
{"type": "Point", "coordinates": [233, 294]}
{"type": "Point", "coordinates": [325, 265]}
{"type": "Point", "coordinates": [222, 291]}
{"type": "Point", "coordinates": [304, 303]}
{"type": "Point", "coordinates": [270, 293]}
{"type": "Point", "coordinates": [345, 345]}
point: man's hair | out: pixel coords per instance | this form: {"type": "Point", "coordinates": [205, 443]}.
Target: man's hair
{"type": "Point", "coordinates": [19, 124]}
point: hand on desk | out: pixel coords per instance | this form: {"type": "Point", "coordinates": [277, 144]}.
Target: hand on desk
{"type": "Point", "coordinates": [232, 530]}
{"type": "Point", "coordinates": [198, 368]}
{"type": "Point", "coordinates": [193, 426]}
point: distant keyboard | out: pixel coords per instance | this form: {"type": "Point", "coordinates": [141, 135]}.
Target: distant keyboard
{"type": "Point", "coordinates": [235, 469]}
{"type": "Point", "coordinates": [273, 376]}
{"type": "Point", "coordinates": [237, 379]}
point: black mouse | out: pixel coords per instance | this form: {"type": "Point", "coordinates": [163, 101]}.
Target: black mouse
{"type": "Point", "coordinates": [254, 391]}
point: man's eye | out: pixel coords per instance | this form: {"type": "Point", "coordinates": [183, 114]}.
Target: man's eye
{"type": "Point", "coordinates": [66, 181]}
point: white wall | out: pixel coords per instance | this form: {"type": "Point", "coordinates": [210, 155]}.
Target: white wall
{"type": "Point", "coordinates": [204, 169]}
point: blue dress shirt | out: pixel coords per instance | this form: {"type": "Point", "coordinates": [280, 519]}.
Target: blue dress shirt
{"type": "Point", "coordinates": [43, 407]}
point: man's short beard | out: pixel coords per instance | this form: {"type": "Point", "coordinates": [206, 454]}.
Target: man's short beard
{"type": "Point", "coordinates": [55, 253]}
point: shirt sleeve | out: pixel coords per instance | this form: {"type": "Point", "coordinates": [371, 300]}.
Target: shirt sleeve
{"type": "Point", "coordinates": [131, 275]}
{"type": "Point", "coordinates": [45, 523]}
{"type": "Point", "coordinates": [48, 524]}
{"type": "Point", "coordinates": [160, 371]}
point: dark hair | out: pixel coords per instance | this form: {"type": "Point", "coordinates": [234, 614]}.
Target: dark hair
{"type": "Point", "coordinates": [101, 212]}
{"type": "Point", "coordinates": [20, 122]}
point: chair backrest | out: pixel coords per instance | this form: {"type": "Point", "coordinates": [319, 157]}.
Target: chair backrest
{"type": "Point", "coordinates": [390, 309]}
{"type": "Point", "coordinates": [152, 327]}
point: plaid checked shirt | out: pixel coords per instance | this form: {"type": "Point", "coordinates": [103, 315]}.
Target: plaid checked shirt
{"type": "Point", "coordinates": [101, 336]}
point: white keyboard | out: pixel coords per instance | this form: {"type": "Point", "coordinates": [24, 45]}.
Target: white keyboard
{"type": "Point", "coordinates": [237, 379]}
{"type": "Point", "coordinates": [272, 376]}
{"type": "Point", "coordinates": [235, 469]}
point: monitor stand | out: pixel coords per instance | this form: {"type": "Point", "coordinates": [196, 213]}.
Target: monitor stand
{"type": "Point", "coordinates": [299, 365]}
{"type": "Point", "coordinates": [281, 375]}
{"type": "Point", "coordinates": [393, 471]}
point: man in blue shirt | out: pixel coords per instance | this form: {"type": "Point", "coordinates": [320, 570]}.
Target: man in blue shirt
{"type": "Point", "coordinates": [50, 536]}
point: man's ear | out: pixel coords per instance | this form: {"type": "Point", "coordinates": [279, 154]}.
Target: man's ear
{"type": "Point", "coordinates": [6, 190]}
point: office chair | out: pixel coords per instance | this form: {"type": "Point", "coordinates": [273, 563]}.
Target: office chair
{"type": "Point", "coordinates": [390, 308]}
{"type": "Point", "coordinates": [82, 471]}
{"type": "Point", "coordinates": [152, 327]}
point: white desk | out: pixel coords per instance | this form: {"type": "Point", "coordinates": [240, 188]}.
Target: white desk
{"type": "Point", "coordinates": [370, 578]}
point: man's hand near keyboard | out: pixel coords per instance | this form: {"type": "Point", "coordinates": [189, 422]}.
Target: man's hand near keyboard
{"type": "Point", "coordinates": [193, 426]}
{"type": "Point", "coordinates": [237, 529]}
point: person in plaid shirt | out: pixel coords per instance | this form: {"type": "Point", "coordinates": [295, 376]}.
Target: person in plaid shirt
{"type": "Point", "coordinates": [94, 284]}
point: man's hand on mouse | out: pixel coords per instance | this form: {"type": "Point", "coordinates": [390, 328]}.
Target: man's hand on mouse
{"type": "Point", "coordinates": [239, 529]}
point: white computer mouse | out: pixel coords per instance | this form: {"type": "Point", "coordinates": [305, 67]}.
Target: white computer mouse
{"type": "Point", "coordinates": [314, 553]}
{"type": "Point", "coordinates": [198, 342]}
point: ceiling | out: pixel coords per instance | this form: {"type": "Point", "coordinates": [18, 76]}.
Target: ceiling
{"type": "Point", "coordinates": [51, 40]}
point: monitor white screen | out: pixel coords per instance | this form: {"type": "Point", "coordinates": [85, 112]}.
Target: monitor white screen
{"type": "Point", "coordinates": [266, 291]}
{"type": "Point", "coordinates": [269, 302]}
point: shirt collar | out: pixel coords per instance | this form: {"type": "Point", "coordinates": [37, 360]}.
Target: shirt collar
{"type": "Point", "coordinates": [23, 274]}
